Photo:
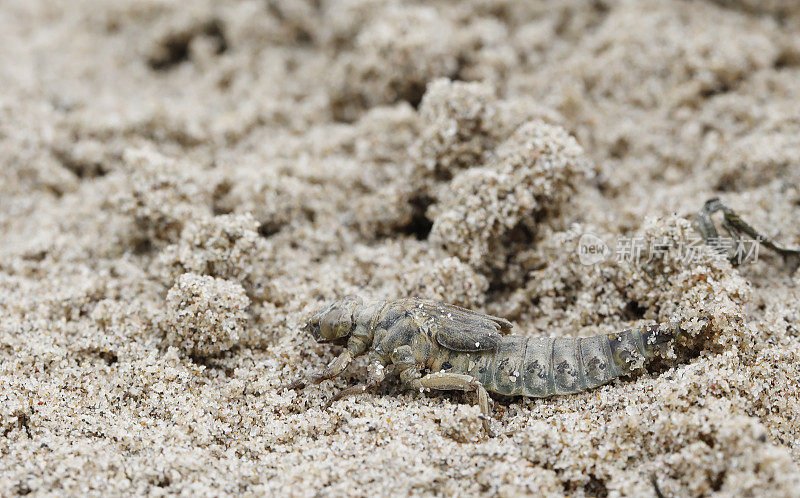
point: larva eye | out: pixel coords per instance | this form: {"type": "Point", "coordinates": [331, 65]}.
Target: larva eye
{"type": "Point", "coordinates": [312, 327]}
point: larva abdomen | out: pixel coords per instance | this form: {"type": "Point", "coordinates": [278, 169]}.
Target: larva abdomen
{"type": "Point", "coordinates": [540, 367]}
{"type": "Point", "coordinates": [508, 365]}
{"type": "Point", "coordinates": [597, 364]}
{"type": "Point", "coordinates": [567, 365]}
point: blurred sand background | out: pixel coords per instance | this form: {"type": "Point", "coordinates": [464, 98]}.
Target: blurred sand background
{"type": "Point", "coordinates": [182, 183]}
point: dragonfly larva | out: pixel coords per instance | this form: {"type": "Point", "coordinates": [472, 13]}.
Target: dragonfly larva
{"type": "Point", "coordinates": [460, 349]}
{"type": "Point", "coordinates": [471, 351]}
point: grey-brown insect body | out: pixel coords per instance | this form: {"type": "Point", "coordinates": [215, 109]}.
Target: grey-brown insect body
{"type": "Point", "coordinates": [420, 335]}
{"type": "Point", "coordinates": [441, 346]}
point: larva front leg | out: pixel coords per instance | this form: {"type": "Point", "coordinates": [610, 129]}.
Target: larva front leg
{"type": "Point", "coordinates": [376, 372]}
{"type": "Point", "coordinates": [343, 320]}
{"type": "Point", "coordinates": [336, 367]}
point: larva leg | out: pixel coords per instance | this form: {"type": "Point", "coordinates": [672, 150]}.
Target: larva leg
{"type": "Point", "coordinates": [403, 358]}
{"type": "Point", "coordinates": [336, 367]}
{"type": "Point", "coordinates": [375, 375]}
{"type": "Point", "coordinates": [445, 381]}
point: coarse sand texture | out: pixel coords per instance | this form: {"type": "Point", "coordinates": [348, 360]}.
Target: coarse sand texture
{"type": "Point", "coordinates": [182, 184]}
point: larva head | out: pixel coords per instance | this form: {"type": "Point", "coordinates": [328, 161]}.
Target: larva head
{"type": "Point", "coordinates": [336, 321]}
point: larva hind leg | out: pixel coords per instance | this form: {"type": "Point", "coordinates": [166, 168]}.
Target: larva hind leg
{"type": "Point", "coordinates": [403, 358]}
{"type": "Point", "coordinates": [445, 381]}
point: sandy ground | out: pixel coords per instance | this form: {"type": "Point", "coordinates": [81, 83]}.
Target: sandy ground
{"type": "Point", "coordinates": [182, 183]}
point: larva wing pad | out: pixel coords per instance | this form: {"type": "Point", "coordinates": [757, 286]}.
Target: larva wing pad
{"type": "Point", "coordinates": [458, 329]}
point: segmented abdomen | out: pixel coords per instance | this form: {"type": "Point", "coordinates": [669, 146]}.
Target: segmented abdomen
{"type": "Point", "coordinates": [540, 367]}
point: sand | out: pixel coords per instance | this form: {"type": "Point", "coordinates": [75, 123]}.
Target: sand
{"type": "Point", "coordinates": [184, 183]}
